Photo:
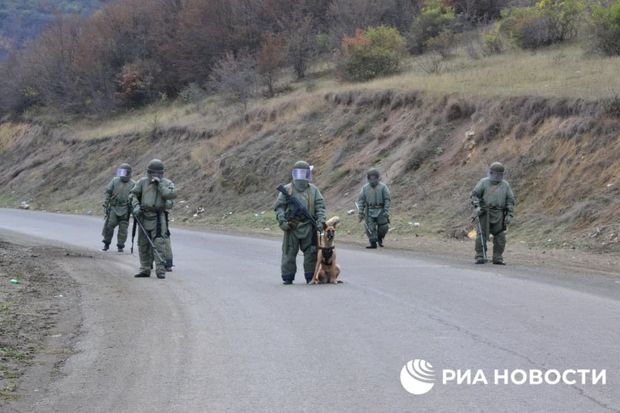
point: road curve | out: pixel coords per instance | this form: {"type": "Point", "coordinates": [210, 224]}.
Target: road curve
{"type": "Point", "coordinates": [222, 334]}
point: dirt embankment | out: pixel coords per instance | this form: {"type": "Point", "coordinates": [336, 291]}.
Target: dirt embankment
{"type": "Point", "coordinates": [562, 159]}
{"type": "Point", "coordinates": [39, 318]}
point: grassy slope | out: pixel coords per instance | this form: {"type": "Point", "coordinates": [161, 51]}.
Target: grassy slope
{"type": "Point", "coordinates": [525, 109]}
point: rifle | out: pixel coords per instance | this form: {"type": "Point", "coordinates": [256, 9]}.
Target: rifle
{"type": "Point", "coordinates": [297, 208]}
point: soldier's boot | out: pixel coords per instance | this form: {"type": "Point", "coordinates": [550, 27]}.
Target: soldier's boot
{"type": "Point", "coordinates": [287, 279]}
{"type": "Point", "coordinates": [169, 265]}
{"type": "Point", "coordinates": [498, 261]}
{"type": "Point", "coordinates": [480, 260]}
{"type": "Point", "coordinates": [380, 242]}
{"type": "Point", "coordinates": [120, 247]}
{"type": "Point", "coordinates": [373, 245]}
{"type": "Point", "coordinates": [161, 275]}
{"type": "Point", "coordinates": [308, 276]}
{"type": "Point", "coordinates": [106, 246]}
{"type": "Point", "coordinates": [142, 274]}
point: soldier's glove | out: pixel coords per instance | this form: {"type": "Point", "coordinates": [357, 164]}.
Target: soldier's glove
{"type": "Point", "coordinates": [320, 225]}
{"type": "Point", "coordinates": [155, 179]}
{"type": "Point", "coordinates": [507, 220]}
{"type": "Point", "coordinates": [284, 226]}
{"type": "Point", "coordinates": [137, 211]}
{"type": "Point", "coordinates": [478, 211]}
{"type": "Point", "coordinates": [360, 218]}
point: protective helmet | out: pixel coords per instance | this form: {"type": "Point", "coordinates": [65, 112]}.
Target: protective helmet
{"type": "Point", "coordinates": [124, 172]}
{"type": "Point", "coordinates": [497, 167]}
{"type": "Point", "coordinates": [373, 172]}
{"type": "Point", "coordinates": [496, 172]}
{"type": "Point", "coordinates": [155, 168]}
{"type": "Point", "coordinates": [302, 171]}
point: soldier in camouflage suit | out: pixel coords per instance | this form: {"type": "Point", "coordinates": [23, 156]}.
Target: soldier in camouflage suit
{"type": "Point", "coordinates": [373, 205]}
{"type": "Point", "coordinates": [494, 202]}
{"type": "Point", "coordinates": [116, 208]}
{"type": "Point", "coordinates": [148, 201]}
{"type": "Point", "coordinates": [299, 233]}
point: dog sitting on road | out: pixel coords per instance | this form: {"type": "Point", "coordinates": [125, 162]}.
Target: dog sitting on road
{"type": "Point", "coordinates": [327, 271]}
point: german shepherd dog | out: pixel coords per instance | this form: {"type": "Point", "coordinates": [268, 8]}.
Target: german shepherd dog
{"type": "Point", "coordinates": [327, 271]}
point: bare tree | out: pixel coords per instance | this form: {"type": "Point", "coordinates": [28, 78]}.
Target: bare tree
{"type": "Point", "coordinates": [300, 46]}
{"type": "Point", "coordinates": [270, 60]}
{"type": "Point", "coordinates": [234, 78]}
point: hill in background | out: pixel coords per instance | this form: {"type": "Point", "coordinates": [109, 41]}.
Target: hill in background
{"type": "Point", "coordinates": [22, 20]}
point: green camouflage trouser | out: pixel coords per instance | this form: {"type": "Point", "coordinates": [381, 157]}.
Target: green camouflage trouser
{"type": "Point", "coordinates": [112, 222]}
{"type": "Point", "coordinates": [377, 227]}
{"type": "Point", "coordinates": [147, 256]}
{"type": "Point", "coordinates": [291, 245]}
{"type": "Point", "coordinates": [499, 238]}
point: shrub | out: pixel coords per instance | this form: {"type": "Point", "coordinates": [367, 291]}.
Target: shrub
{"type": "Point", "coordinates": [605, 29]}
{"type": "Point", "coordinates": [434, 19]}
{"type": "Point", "coordinates": [442, 44]}
{"type": "Point", "coordinates": [375, 52]}
{"type": "Point", "coordinates": [563, 17]}
{"type": "Point", "coordinates": [527, 27]}
{"type": "Point", "coordinates": [550, 21]}
{"type": "Point", "coordinates": [136, 81]}
{"type": "Point", "coordinates": [483, 10]}
{"type": "Point", "coordinates": [192, 93]}
{"type": "Point", "coordinates": [492, 41]}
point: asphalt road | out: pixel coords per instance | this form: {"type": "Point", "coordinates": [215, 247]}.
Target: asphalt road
{"type": "Point", "coordinates": [222, 334]}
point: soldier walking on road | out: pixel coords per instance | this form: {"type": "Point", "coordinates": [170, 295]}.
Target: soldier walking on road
{"type": "Point", "coordinates": [494, 202]}
{"type": "Point", "coordinates": [300, 212]}
{"type": "Point", "coordinates": [374, 208]}
{"type": "Point", "coordinates": [148, 201]}
{"type": "Point", "coordinates": [116, 208]}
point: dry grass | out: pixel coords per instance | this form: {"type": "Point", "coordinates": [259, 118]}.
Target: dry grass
{"type": "Point", "coordinates": [557, 72]}
{"type": "Point", "coordinates": [8, 132]}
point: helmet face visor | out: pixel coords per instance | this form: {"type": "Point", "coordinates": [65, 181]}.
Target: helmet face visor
{"type": "Point", "coordinates": [300, 174]}
{"type": "Point", "coordinates": [496, 176]}
{"type": "Point", "coordinates": [123, 173]}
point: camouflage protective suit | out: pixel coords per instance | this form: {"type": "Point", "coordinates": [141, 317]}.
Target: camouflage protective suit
{"type": "Point", "coordinates": [299, 233]}
{"type": "Point", "coordinates": [148, 200]}
{"type": "Point", "coordinates": [117, 209]}
{"type": "Point", "coordinates": [494, 201]}
{"type": "Point", "coordinates": [374, 207]}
